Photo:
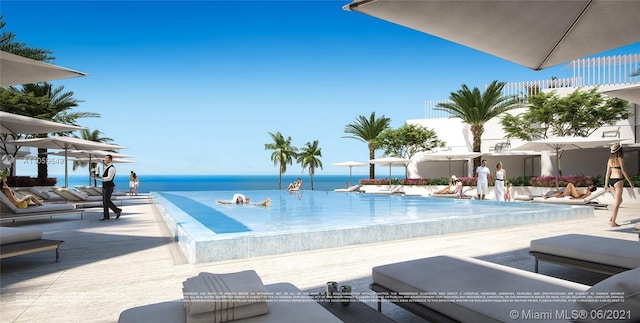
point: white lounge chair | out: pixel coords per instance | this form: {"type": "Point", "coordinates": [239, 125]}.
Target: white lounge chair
{"type": "Point", "coordinates": [589, 200]}
{"type": "Point", "coordinates": [353, 188]}
{"type": "Point", "coordinates": [593, 253]}
{"type": "Point", "coordinates": [465, 190]}
{"type": "Point", "coordinates": [458, 289]}
{"type": "Point", "coordinates": [80, 199]}
{"type": "Point", "coordinates": [8, 211]}
{"type": "Point", "coordinates": [18, 241]}
{"type": "Point", "coordinates": [298, 308]}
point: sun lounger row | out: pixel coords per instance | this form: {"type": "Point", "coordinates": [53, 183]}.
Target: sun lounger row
{"type": "Point", "coordinates": [460, 289]}
{"type": "Point", "coordinates": [8, 211]}
{"type": "Point", "coordinates": [17, 241]}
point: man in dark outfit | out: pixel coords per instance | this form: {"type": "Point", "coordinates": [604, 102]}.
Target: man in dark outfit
{"type": "Point", "coordinates": [107, 188]}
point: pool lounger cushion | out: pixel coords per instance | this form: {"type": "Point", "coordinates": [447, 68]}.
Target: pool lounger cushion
{"type": "Point", "coordinates": [450, 274]}
{"type": "Point", "coordinates": [279, 311]}
{"type": "Point", "coordinates": [599, 254]}
{"type": "Point", "coordinates": [17, 241]}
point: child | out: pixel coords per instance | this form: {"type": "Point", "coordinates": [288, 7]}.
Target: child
{"type": "Point", "coordinates": [507, 193]}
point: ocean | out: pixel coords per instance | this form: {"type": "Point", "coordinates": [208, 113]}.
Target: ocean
{"type": "Point", "coordinates": [159, 183]}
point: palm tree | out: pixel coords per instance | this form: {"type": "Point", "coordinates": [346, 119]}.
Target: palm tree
{"type": "Point", "coordinates": [283, 153]}
{"type": "Point", "coordinates": [57, 104]}
{"type": "Point", "coordinates": [367, 130]}
{"type": "Point", "coordinates": [476, 109]}
{"type": "Point", "coordinates": [309, 157]}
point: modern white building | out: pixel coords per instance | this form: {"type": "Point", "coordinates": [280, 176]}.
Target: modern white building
{"type": "Point", "coordinates": [614, 76]}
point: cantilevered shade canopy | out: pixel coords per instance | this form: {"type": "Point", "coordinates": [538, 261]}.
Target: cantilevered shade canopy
{"type": "Point", "coordinates": [15, 70]}
{"type": "Point", "coordinates": [15, 124]}
{"type": "Point", "coordinates": [533, 33]}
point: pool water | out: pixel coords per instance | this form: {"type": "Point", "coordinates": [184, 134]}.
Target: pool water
{"type": "Point", "coordinates": [208, 231]}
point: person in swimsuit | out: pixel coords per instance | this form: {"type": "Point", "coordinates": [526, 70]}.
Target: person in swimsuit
{"type": "Point", "coordinates": [574, 192]}
{"type": "Point", "coordinates": [616, 174]}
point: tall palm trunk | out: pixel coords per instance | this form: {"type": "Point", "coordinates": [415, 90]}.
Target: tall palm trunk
{"type": "Point", "coordinates": [372, 167]}
{"type": "Point", "coordinates": [477, 130]}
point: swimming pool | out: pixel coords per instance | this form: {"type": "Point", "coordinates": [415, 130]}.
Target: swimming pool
{"type": "Point", "coordinates": [207, 231]}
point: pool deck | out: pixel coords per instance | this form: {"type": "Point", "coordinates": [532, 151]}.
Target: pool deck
{"type": "Point", "coordinates": [108, 267]}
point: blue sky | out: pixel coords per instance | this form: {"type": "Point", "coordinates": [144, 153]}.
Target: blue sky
{"type": "Point", "coordinates": [195, 87]}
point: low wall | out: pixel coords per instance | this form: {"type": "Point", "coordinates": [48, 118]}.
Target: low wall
{"type": "Point", "coordinates": [628, 194]}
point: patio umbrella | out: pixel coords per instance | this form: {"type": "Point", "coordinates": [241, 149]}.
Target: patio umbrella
{"type": "Point", "coordinates": [15, 124]}
{"type": "Point", "coordinates": [559, 144]}
{"type": "Point", "coordinates": [391, 161]}
{"type": "Point", "coordinates": [15, 70]}
{"type": "Point", "coordinates": [350, 164]}
{"type": "Point", "coordinates": [626, 92]}
{"type": "Point", "coordinates": [450, 155]}
{"type": "Point", "coordinates": [66, 144]}
{"type": "Point", "coordinates": [535, 34]}
{"type": "Point", "coordinates": [90, 156]}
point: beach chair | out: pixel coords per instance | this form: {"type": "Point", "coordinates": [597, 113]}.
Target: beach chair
{"type": "Point", "coordinates": [460, 289]}
{"type": "Point", "coordinates": [283, 302]}
{"type": "Point", "coordinates": [599, 254]}
{"type": "Point", "coordinates": [80, 199]}
{"type": "Point", "coordinates": [590, 200]}
{"type": "Point", "coordinates": [18, 241]}
{"type": "Point", "coordinates": [8, 211]}
{"type": "Point", "coordinates": [353, 188]}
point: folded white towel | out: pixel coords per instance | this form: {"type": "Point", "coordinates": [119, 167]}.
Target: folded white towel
{"type": "Point", "coordinates": [229, 314]}
{"type": "Point", "coordinates": [214, 292]}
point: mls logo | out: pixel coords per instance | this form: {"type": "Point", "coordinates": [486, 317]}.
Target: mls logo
{"type": "Point", "coordinates": [7, 160]}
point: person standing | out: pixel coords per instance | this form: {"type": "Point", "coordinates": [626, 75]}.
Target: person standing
{"type": "Point", "coordinates": [616, 174]}
{"type": "Point", "coordinates": [132, 183]}
{"type": "Point", "coordinates": [499, 185]}
{"type": "Point", "coordinates": [483, 174]}
{"type": "Point", "coordinates": [107, 188]}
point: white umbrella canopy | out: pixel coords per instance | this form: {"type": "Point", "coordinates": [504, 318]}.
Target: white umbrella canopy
{"type": "Point", "coordinates": [15, 124]}
{"type": "Point", "coordinates": [15, 70]}
{"type": "Point", "coordinates": [559, 144]}
{"type": "Point", "coordinates": [450, 155]}
{"type": "Point", "coordinates": [628, 92]}
{"type": "Point", "coordinates": [535, 34]}
{"type": "Point", "coordinates": [350, 164]}
{"type": "Point", "coordinates": [66, 144]}
{"type": "Point", "coordinates": [391, 161]}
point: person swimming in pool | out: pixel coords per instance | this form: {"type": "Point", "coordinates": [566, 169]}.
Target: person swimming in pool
{"type": "Point", "coordinates": [240, 199]}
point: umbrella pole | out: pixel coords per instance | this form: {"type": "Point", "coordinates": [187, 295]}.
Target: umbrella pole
{"type": "Point", "coordinates": [66, 167]}
{"type": "Point", "coordinates": [350, 167]}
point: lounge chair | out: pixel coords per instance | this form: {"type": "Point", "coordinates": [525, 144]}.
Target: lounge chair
{"type": "Point", "coordinates": [17, 241]}
{"type": "Point", "coordinates": [43, 195]}
{"type": "Point", "coordinates": [90, 190]}
{"type": "Point", "coordinates": [353, 188]}
{"type": "Point", "coordinates": [454, 195]}
{"type": "Point", "coordinates": [600, 254]}
{"type": "Point", "coordinates": [458, 289]}
{"type": "Point", "coordinates": [80, 199]}
{"type": "Point", "coordinates": [589, 200]}
{"type": "Point", "coordinates": [299, 308]}
{"type": "Point", "coordinates": [8, 211]}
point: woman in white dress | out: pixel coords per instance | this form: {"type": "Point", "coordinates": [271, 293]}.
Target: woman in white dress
{"type": "Point", "coordinates": [501, 176]}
